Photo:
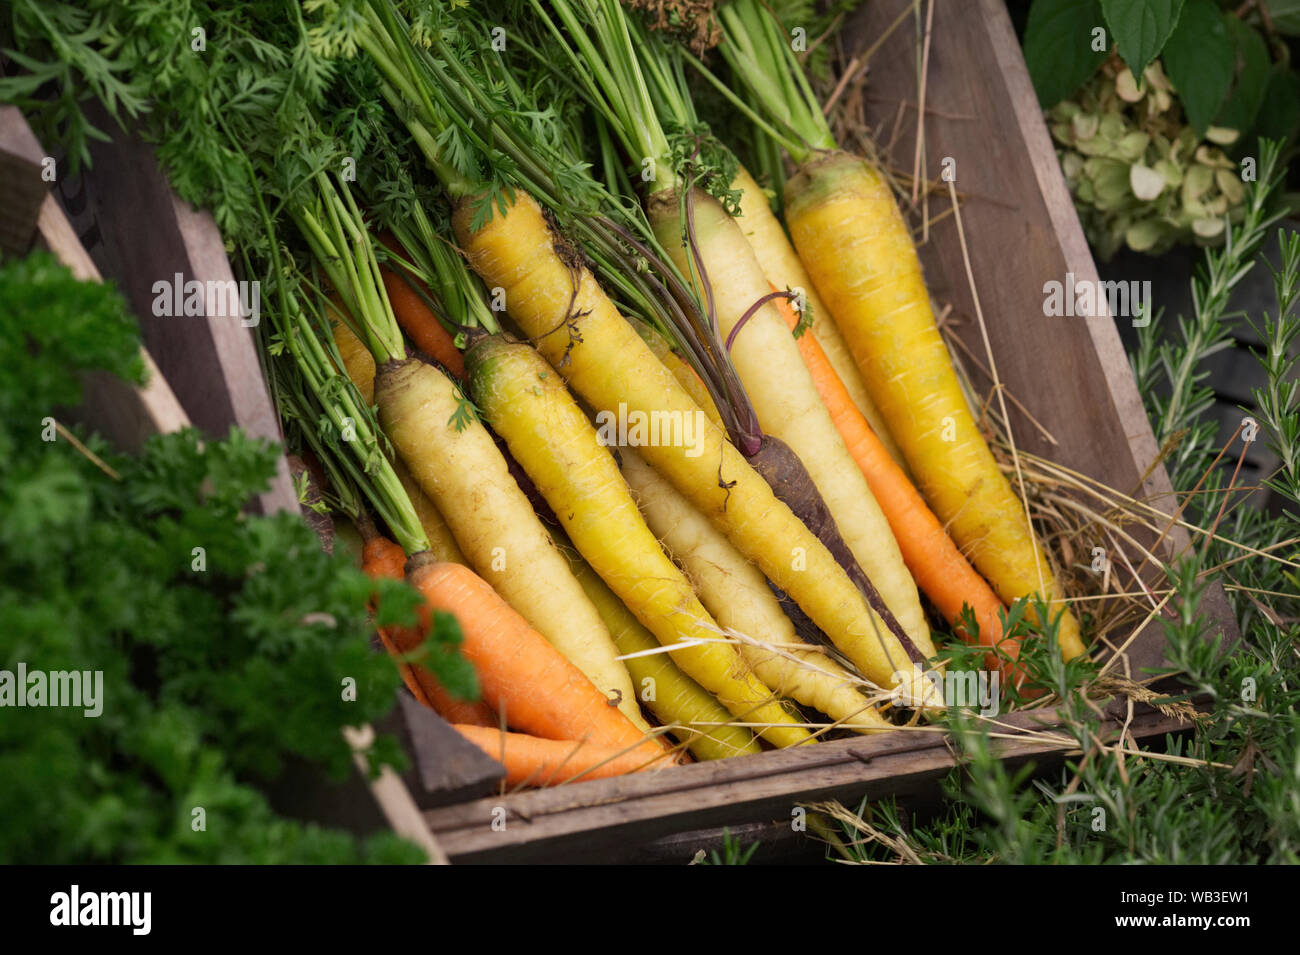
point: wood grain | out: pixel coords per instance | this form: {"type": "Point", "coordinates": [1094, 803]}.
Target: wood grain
{"type": "Point", "coordinates": [127, 414]}
{"type": "Point", "coordinates": [447, 769]}
{"type": "Point", "coordinates": [22, 190]}
{"type": "Point", "coordinates": [139, 232]}
{"type": "Point", "coordinates": [618, 817]}
{"type": "Point", "coordinates": [115, 408]}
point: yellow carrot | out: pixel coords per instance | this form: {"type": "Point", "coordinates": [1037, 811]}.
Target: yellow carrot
{"type": "Point", "coordinates": [457, 464]}
{"type": "Point", "coordinates": [695, 717]}
{"type": "Point", "coordinates": [734, 591]}
{"type": "Point", "coordinates": [359, 365]}
{"type": "Point", "coordinates": [786, 400]}
{"type": "Point", "coordinates": [783, 269]}
{"type": "Point", "coordinates": [527, 403]}
{"type": "Point", "coordinates": [580, 332]}
{"type": "Point", "coordinates": [855, 244]}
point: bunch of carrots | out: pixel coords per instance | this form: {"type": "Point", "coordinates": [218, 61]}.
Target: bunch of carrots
{"type": "Point", "coordinates": [758, 581]}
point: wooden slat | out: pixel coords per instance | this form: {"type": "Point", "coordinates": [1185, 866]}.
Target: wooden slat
{"type": "Point", "coordinates": [393, 797]}
{"type": "Point", "coordinates": [22, 190]}
{"type": "Point", "coordinates": [234, 345]}
{"type": "Point", "coordinates": [447, 769]}
{"type": "Point", "coordinates": [139, 232]}
{"type": "Point", "coordinates": [611, 818]}
{"type": "Point", "coordinates": [118, 410]}
{"type": "Point", "coordinates": [125, 414]}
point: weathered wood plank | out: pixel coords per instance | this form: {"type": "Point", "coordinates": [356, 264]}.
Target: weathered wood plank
{"type": "Point", "coordinates": [447, 769]}
{"type": "Point", "coordinates": [22, 190]}
{"type": "Point", "coordinates": [612, 817]}
{"type": "Point", "coordinates": [123, 413]}
{"type": "Point", "coordinates": [138, 232]}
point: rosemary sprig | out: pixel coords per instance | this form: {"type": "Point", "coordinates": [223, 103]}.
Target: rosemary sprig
{"type": "Point", "coordinates": [1170, 369]}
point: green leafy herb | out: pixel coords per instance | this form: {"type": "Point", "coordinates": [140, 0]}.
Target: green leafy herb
{"type": "Point", "coordinates": [216, 647]}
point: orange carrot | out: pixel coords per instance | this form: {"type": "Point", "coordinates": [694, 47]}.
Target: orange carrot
{"type": "Point", "coordinates": [523, 677]}
{"type": "Point", "coordinates": [938, 567]}
{"type": "Point", "coordinates": [534, 761]}
{"type": "Point", "coordinates": [417, 319]}
{"type": "Point", "coordinates": [383, 558]}
{"type": "Point", "coordinates": [380, 557]}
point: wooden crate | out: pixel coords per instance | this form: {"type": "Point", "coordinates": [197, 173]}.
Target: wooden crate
{"type": "Point", "coordinates": [1070, 373]}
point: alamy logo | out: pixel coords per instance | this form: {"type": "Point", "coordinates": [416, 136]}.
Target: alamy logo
{"type": "Point", "coordinates": [1083, 299]}
{"type": "Point", "coordinates": [641, 429]}
{"type": "Point", "coordinates": [176, 297]}
{"type": "Point", "coordinates": [963, 689]}
{"type": "Point", "coordinates": [76, 688]}
{"type": "Point", "coordinates": [75, 907]}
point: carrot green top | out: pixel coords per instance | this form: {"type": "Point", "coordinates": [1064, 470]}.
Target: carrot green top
{"type": "Point", "coordinates": [762, 58]}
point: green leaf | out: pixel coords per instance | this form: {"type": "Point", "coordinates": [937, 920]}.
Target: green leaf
{"type": "Point", "coordinates": [1285, 15]}
{"type": "Point", "coordinates": [1141, 28]}
{"type": "Point", "coordinates": [209, 679]}
{"type": "Point", "coordinates": [397, 603]}
{"type": "Point", "coordinates": [1059, 46]}
{"type": "Point", "coordinates": [1199, 59]}
{"type": "Point", "coordinates": [1253, 61]}
{"type": "Point", "coordinates": [1279, 112]}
